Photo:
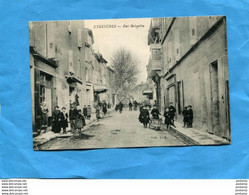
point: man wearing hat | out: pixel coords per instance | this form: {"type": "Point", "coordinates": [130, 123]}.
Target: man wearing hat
{"type": "Point", "coordinates": [190, 116]}
{"type": "Point", "coordinates": [72, 116]}
{"type": "Point", "coordinates": [172, 112]}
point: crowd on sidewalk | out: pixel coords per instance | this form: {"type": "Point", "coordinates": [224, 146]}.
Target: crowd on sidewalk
{"type": "Point", "coordinates": [147, 117]}
{"type": "Point", "coordinates": [76, 117]}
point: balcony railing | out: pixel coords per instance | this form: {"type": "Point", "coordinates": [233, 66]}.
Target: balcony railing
{"type": "Point", "coordinates": [154, 31]}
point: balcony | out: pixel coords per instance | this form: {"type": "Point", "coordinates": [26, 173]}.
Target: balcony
{"type": "Point", "coordinates": [156, 57]}
{"type": "Point", "coordinates": [155, 64]}
{"type": "Point", "coordinates": [49, 61]}
{"type": "Point", "coordinates": [154, 35]}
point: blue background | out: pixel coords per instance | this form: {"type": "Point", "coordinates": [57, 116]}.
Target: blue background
{"type": "Point", "coordinates": [17, 158]}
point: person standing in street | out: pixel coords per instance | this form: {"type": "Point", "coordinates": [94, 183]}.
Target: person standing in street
{"type": "Point", "coordinates": [72, 116]}
{"type": "Point", "coordinates": [172, 112]}
{"type": "Point", "coordinates": [79, 122]}
{"type": "Point", "coordinates": [140, 116]}
{"type": "Point", "coordinates": [130, 106]}
{"type": "Point", "coordinates": [89, 112]}
{"type": "Point", "coordinates": [144, 116]}
{"type": "Point", "coordinates": [185, 117]}
{"type": "Point", "coordinates": [97, 113]}
{"type": "Point", "coordinates": [85, 111]}
{"type": "Point", "coordinates": [190, 116]}
{"type": "Point", "coordinates": [116, 107]}
{"type": "Point", "coordinates": [120, 107]}
{"type": "Point", "coordinates": [104, 107]}
{"type": "Point", "coordinates": [64, 120]}
{"type": "Point", "coordinates": [56, 126]}
{"type": "Point", "coordinates": [167, 118]}
{"type": "Point", "coordinates": [135, 105]}
{"type": "Point", "coordinates": [155, 112]}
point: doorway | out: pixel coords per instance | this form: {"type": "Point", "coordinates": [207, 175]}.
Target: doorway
{"type": "Point", "coordinates": [214, 84]}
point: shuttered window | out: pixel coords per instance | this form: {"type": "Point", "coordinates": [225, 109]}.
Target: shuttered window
{"type": "Point", "coordinates": [79, 38]}
{"type": "Point", "coordinates": [70, 61]}
{"type": "Point", "coordinates": [193, 33]}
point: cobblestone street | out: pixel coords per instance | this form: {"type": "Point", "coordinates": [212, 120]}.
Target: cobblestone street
{"type": "Point", "coordinates": [117, 130]}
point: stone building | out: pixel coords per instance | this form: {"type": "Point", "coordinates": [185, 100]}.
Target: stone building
{"type": "Point", "coordinates": [144, 92]}
{"type": "Point", "coordinates": [189, 67]}
{"type": "Point", "coordinates": [57, 56]}
{"type": "Point", "coordinates": [64, 68]}
{"type": "Point", "coordinates": [89, 61]}
{"type": "Point", "coordinates": [109, 76]}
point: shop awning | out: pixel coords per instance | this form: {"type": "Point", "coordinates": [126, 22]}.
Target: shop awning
{"type": "Point", "coordinates": [100, 88]}
{"type": "Point", "coordinates": [147, 92]}
{"type": "Point", "coordinates": [152, 73]}
{"type": "Point", "coordinates": [37, 55]}
{"type": "Point", "coordinates": [71, 79]}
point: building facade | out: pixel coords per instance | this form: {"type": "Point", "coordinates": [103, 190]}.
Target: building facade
{"type": "Point", "coordinates": [64, 68]}
{"type": "Point", "coordinates": [189, 66]}
{"type": "Point", "coordinates": [144, 93]}
{"type": "Point", "coordinates": [57, 65]}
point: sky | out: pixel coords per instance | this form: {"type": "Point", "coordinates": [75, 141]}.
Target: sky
{"type": "Point", "coordinates": [109, 35]}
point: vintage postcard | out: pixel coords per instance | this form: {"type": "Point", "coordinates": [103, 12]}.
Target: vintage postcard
{"type": "Point", "coordinates": [129, 83]}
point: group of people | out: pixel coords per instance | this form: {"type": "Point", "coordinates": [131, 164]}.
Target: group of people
{"type": "Point", "coordinates": [102, 106]}
{"type": "Point", "coordinates": [133, 105]}
{"type": "Point", "coordinates": [76, 117]}
{"type": "Point", "coordinates": [60, 119]}
{"type": "Point", "coordinates": [187, 116]}
{"type": "Point", "coordinates": [87, 112]}
{"type": "Point", "coordinates": [119, 107]}
{"type": "Point", "coordinates": [169, 115]}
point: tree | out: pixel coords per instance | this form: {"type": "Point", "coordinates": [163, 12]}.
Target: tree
{"type": "Point", "coordinates": [124, 65]}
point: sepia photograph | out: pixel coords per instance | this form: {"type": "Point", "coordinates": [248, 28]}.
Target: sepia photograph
{"type": "Point", "coordinates": [122, 83]}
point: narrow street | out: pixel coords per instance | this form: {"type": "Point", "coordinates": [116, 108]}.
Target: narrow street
{"type": "Point", "coordinates": [115, 131]}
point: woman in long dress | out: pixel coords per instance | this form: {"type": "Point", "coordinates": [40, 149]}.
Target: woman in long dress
{"type": "Point", "coordinates": [64, 120]}
{"type": "Point", "coordinates": [56, 118]}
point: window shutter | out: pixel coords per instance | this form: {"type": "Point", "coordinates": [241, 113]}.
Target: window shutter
{"type": "Point", "coordinates": [177, 44]}
{"type": "Point", "coordinates": [79, 38]}
{"type": "Point", "coordinates": [70, 59]}
{"type": "Point", "coordinates": [193, 33]}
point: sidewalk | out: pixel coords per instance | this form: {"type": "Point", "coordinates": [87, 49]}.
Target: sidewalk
{"type": "Point", "coordinates": [49, 135]}
{"type": "Point", "coordinates": [196, 137]}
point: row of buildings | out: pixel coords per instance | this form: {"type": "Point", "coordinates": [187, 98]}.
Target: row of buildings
{"type": "Point", "coordinates": [64, 68]}
{"type": "Point", "coordinates": [188, 66]}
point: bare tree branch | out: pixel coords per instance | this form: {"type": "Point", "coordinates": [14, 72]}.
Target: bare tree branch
{"type": "Point", "coordinates": [125, 66]}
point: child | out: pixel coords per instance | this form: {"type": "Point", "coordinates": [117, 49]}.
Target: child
{"type": "Point", "coordinates": [80, 121]}
{"type": "Point", "coordinates": [167, 116]}
{"type": "Point", "coordinates": [185, 117]}
{"type": "Point", "coordinates": [190, 116]}
{"type": "Point", "coordinates": [144, 116]}
{"type": "Point", "coordinates": [155, 112]}
{"type": "Point", "coordinates": [97, 113]}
